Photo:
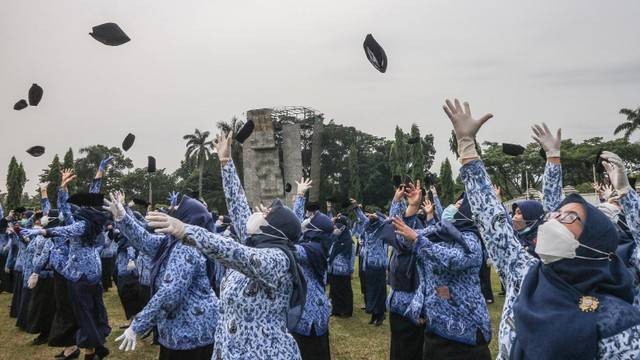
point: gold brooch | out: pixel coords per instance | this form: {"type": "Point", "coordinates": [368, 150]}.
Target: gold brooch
{"type": "Point", "coordinates": [588, 303]}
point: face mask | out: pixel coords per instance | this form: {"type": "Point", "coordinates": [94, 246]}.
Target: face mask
{"type": "Point", "coordinates": [308, 226]}
{"type": "Point", "coordinates": [218, 223]}
{"type": "Point", "coordinates": [256, 221]}
{"type": "Point", "coordinates": [24, 222]}
{"type": "Point", "coordinates": [449, 212]}
{"type": "Point", "coordinates": [226, 233]}
{"type": "Point", "coordinates": [44, 221]}
{"type": "Point", "coordinates": [555, 242]}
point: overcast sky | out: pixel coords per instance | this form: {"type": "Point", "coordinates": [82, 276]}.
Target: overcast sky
{"type": "Point", "coordinates": [190, 63]}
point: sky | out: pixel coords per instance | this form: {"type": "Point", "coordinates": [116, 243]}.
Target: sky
{"type": "Point", "coordinates": [571, 63]}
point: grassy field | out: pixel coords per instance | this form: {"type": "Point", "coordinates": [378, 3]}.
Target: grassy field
{"type": "Point", "coordinates": [351, 339]}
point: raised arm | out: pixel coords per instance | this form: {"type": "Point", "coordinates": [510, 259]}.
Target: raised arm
{"type": "Point", "coordinates": [451, 257]}
{"type": "Point", "coordinates": [63, 196]}
{"type": "Point", "coordinates": [436, 202]}
{"type": "Point", "coordinates": [96, 183]}
{"type": "Point", "coordinates": [552, 179]}
{"type": "Point", "coordinates": [45, 205]}
{"type": "Point", "coordinates": [69, 231]}
{"type": "Point", "coordinates": [298, 207]}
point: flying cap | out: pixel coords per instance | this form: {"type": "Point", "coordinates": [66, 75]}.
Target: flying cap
{"type": "Point", "coordinates": [20, 105]}
{"type": "Point", "coordinates": [245, 132]}
{"type": "Point", "coordinates": [36, 151]}
{"type": "Point", "coordinates": [35, 94]}
{"type": "Point", "coordinates": [375, 53]}
{"type": "Point", "coordinates": [287, 187]}
{"type": "Point", "coordinates": [127, 143]}
{"type": "Point", "coordinates": [512, 149]}
{"type": "Point", "coordinates": [109, 34]}
{"type": "Point", "coordinates": [151, 164]}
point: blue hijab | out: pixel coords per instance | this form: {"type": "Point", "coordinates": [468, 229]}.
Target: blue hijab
{"type": "Point", "coordinates": [532, 212]}
{"type": "Point", "coordinates": [548, 321]}
{"type": "Point", "coordinates": [343, 245]}
{"type": "Point", "coordinates": [402, 264]}
{"type": "Point", "coordinates": [317, 244]}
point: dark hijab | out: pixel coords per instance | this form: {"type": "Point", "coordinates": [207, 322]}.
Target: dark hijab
{"type": "Point", "coordinates": [343, 244]}
{"type": "Point", "coordinates": [549, 323]}
{"type": "Point", "coordinates": [282, 218]}
{"type": "Point", "coordinates": [532, 212]}
{"type": "Point", "coordinates": [95, 220]}
{"type": "Point", "coordinates": [317, 245]}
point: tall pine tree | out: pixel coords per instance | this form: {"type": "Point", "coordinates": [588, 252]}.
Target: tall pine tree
{"type": "Point", "coordinates": [16, 178]}
{"type": "Point", "coordinates": [417, 155]}
{"type": "Point", "coordinates": [447, 186]}
{"type": "Point", "coordinates": [54, 177]}
{"type": "Point", "coordinates": [398, 154]}
{"type": "Point", "coordinates": [354, 175]}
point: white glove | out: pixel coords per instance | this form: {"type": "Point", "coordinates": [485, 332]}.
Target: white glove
{"type": "Point", "coordinates": [303, 186]}
{"type": "Point", "coordinates": [223, 146]}
{"type": "Point", "coordinates": [617, 174]}
{"type": "Point", "coordinates": [338, 231]}
{"type": "Point", "coordinates": [33, 281]}
{"type": "Point", "coordinates": [131, 265]}
{"type": "Point", "coordinates": [549, 143]}
{"type": "Point", "coordinates": [115, 206]}
{"type": "Point", "coordinates": [165, 224]}
{"type": "Point", "coordinates": [465, 127]}
{"type": "Point", "coordinates": [129, 339]}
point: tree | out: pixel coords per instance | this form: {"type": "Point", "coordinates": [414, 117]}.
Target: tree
{"type": "Point", "coordinates": [68, 164]}
{"type": "Point", "coordinates": [14, 185]}
{"type": "Point", "coordinates": [631, 124]}
{"type": "Point", "coordinates": [447, 186]}
{"type": "Point", "coordinates": [416, 155]}
{"type": "Point", "coordinates": [200, 149]}
{"type": "Point", "coordinates": [398, 154]}
{"type": "Point", "coordinates": [354, 176]}
{"type": "Point", "coordinates": [54, 177]}
{"type": "Point", "coordinates": [86, 167]}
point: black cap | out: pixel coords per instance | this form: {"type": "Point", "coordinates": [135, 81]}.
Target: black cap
{"type": "Point", "coordinates": [632, 182]}
{"type": "Point", "coordinates": [430, 180]}
{"type": "Point", "coordinates": [140, 202]}
{"type": "Point", "coordinates": [346, 203]}
{"type": "Point", "coordinates": [20, 105]}
{"type": "Point", "coordinates": [20, 209]}
{"type": "Point", "coordinates": [413, 140]}
{"type": "Point", "coordinates": [36, 151]}
{"type": "Point", "coordinates": [109, 34]}
{"type": "Point", "coordinates": [287, 187]}
{"type": "Point", "coordinates": [87, 199]}
{"type": "Point", "coordinates": [35, 95]}
{"type": "Point", "coordinates": [245, 132]}
{"type": "Point", "coordinates": [598, 162]}
{"type": "Point", "coordinates": [542, 154]}
{"type": "Point", "coordinates": [127, 143]}
{"type": "Point", "coordinates": [151, 164]}
{"type": "Point", "coordinates": [312, 206]}
{"type": "Point", "coordinates": [397, 181]}
{"type": "Point", "coordinates": [375, 53]}
{"type": "Point", "coordinates": [512, 149]}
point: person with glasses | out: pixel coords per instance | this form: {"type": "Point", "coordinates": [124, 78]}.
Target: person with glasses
{"type": "Point", "coordinates": [576, 301]}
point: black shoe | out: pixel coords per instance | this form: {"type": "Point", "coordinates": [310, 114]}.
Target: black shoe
{"type": "Point", "coordinates": [102, 352]}
{"type": "Point", "coordinates": [60, 355]}
{"type": "Point", "coordinates": [373, 319]}
{"type": "Point", "coordinates": [39, 340]}
{"type": "Point", "coordinates": [378, 322]}
{"type": "Point", "coordinates": [73, 355]}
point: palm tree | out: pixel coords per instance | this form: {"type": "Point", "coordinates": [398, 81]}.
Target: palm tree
{"type": "Point", "coordinates": [199, 149]}
{"type": "Point", "coordinates": [234, 125]}
{"type": "Point", "coordinates": [631, 125]}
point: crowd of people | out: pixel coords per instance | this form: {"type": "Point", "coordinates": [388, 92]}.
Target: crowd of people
{"type": "Point", "coordinates": [253, 284]}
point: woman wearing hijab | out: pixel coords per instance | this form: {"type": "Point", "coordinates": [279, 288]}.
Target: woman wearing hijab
{"type": "Point", "coordinates": [263, 291]}
{"type": "Point", "coordinates": [407, 333]}
{"type": "Point", "coordinates": [183, 306]}
{"type": "Point", "coordinates": [312, 252]}
{"type": "Point", "coordinates": [341, 262]}
{"type": "Point", "coordinates": [17, 257]}
{"type": "Point", "coordinates": [457, 319]}
{"type": "Point", "coordinates": [126, 274]}
{"type": "Point", "coordinates": [527, 216]}
{"type": "Point", "coordinates": [576, 301]}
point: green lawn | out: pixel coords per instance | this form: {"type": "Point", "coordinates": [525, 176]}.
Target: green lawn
{"type": "Point", "coordinates": [351, 338]}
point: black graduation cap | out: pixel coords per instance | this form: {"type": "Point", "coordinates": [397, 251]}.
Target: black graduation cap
{"type": "Point", "coordinates": [287, 187]}
{"type": "Point", "coordinates": [36, 151]}
{"type": "Point", "coordinates": [512, 149]}
{"type": "Point", "coordinates": [87, 199]}
{"type": "Point", "coordinates": [632, 182]}
{"type": "Point", "coordinates": [20, 209]}
{"type": "Point", "coordinates": [127, 143]}
{"type": "Point", "coordinates": [151, 164]}
{"type": "Point", "coordinates": [312, 206]}
{"type": "Point", "coordinates": [397, 181]}
{"type": "Point", "coordinates": [245, 132]}
{"type": "Point", "coordinates": [375, 53]}
{"type": "Point", "coordinates": [35, 95]}
{"type": "Point", "coordinates": [140, 202]}
{"type": "Point", "coordinates": [413, 140]}
{"type": "Point", "coordinates": [346, 203]}
{"type": "Point", "coordinates": [542, 154]}
{"type": "Point", "coordinates": [109, 34]}
{"type": "Point", "coordinates": [598, 162]}
{"type": "Point", "coordinates": [20, 105]}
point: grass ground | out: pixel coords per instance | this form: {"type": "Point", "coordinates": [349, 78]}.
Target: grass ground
{"type": "Point", "coordinates": [351, 339]}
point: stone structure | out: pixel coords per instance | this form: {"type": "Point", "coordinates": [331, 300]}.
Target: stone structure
{"type": "Point", "coordinates": [291, 158]}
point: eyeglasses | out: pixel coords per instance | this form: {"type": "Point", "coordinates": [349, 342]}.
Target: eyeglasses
{"type": "Point", "coordinates": [565, 217]}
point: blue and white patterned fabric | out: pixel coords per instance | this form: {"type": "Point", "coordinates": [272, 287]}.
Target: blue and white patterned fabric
{"type": "Point", "coordinates": [12, 243]}
{"type": "Point", "coordinates": [460, 316]}
{"type": "Point", "coordinates": [343, 265]}
{"type": "Point", "coordinates": [513, 262]}
{"type": "Point", "coordinates": [123, 255]}
{"type": "Point", "coordinates": [83, 260]}
{"type": "Point", "coordinates": [552, 187]}
{"type": "Point", "coordinates": [144, 264]}
{"type": "Point", "coordinates": [437, 206]}
{"type": "Point", "coordinates": [255, 291]}
{"type": "Point", "coordinates": [374, 248]}
{"type": "Point", "coordinates": [17, 253]}
{"type": "Point", "coordinates": [398, 301]}
{"type": "Point", "coordinates": [27, 259]}
{"type": "Point", "coordinates": [4, 241]}
{"type": "Point", "coordinates": [41, 265]}
{"type": "Point", "coordinates": [110, 247]}
{"type": "Point", "coordinates": [183, 306]}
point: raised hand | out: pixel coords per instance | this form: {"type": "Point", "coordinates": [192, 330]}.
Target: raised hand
{"type": "Point", "coordinates": [223, 146]}
{"type": "Point", "coordinates": [165, 224]}
{"type": "Point", "coordinates": [105, 163]}
{"type": "Point", "coordinates": [617, 174]}
{"type": "Point", "coordinates": [404, 230]}
{"type": "Point", "coordinates": [433, 190]}
{"type": "Point", "coordinates": [67, 177]}
{"type": "Point", "coordinates": [465, 127]}
{"type": "Point", "coordinates": [498, 192]}
{"type": "Point", "coordinates": [303, 186]}
{"type": "Point", "coordinates": [173, 199]}
{"type": "Point", "coordinates": [115, 205]}
{"type": "Point", "coordinates": [428, 207]}
{"type": "Point", "coordinates": [550, 143]}
{"type": "Point", "coordinates": [399, 193]}
{"type": "Point", "coordinates": [414, 194]}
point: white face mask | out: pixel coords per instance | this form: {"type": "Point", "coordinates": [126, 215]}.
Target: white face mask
{"type": "Point", "coordinates": [555, 242]}
{"type": "Point", "coordinates": [44, 221]}
{"type": "Point", "coordinates": [308, 226]}
{"type": "Point", "coordinates": [218, 223]}
{"type": "Point", "coordinates": [226, 233]}
{"type": "Point", "coordinates": [256, 221]}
